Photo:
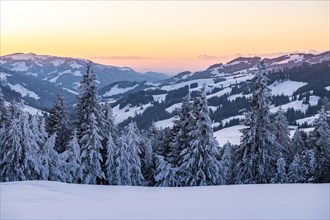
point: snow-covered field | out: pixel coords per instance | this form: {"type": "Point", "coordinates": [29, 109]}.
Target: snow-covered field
{"type": "Point", "coordinates": [53, 200]}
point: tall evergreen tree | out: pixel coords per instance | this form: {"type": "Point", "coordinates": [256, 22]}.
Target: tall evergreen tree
{"type": "Point", "coordinates": [227, 163]}
{"type": "Point", "coordinates": [280, 176]}
{"type": "Point", "coordinates": [183, 126]}
{"type": "Point", "coordinates": [110, 164]}
{"type": "Point", "coordinates": [88, 104]}
{"type": "Point", "coordinates": [12, 163]}
{"type": "Point", "coordinates": [133, 139]}
{"type": "Point", "coordinates": [165, 174]}
{"type": "Point", "coordinates": [282, 133]}
{"type": "Point", "coordinates": [3, 109]}
{"type": "Point", "coordinates": [58, 123]}
{"type": "Point", "coordinates": [297, 145]}
{"type": "Point", "coordinates": [90, 153]}
{"type": "Point", "coordinates": [319, 140]}
{"type": "Point", "coordinates": [259, 147]}
{"type": "Point", "coordinates": [30, 147]}
{"type": "Point", "coordinates": [123, 164]}
{"type": "Point", "coordinates": [198, 163]}
{"type": "Point", "coordinates": [308, 166]}
{"type": "Point", "coordinates": [73, 160]}
{"type": "Point", "coordinates": [295, 171]}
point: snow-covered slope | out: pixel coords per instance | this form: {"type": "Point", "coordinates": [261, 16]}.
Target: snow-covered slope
{"type": "Point", "coordinates": [53, 200]}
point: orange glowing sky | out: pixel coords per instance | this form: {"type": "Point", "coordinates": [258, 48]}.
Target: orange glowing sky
{"type": "Point", "coordinates": [168, 36]}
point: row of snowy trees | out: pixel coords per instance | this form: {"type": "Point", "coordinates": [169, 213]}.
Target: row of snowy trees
{"type": "Point", "coordinates": [91, 149]}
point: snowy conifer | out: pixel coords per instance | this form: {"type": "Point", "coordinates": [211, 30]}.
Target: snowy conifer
{"type": "Point", "coordinates": [309, 166]}
{"type": "Point", "coordinates": [295, 172]}
{"type": "Point", "coordinates": [123, 164]}
{"type": "Point", "coordinates": [31, 148]}
{"type": "Point", "coordinates": [165, 174]}
{"type": "Point", "coordinates": [12, 161]}
{"type": "Point", "coordinates": [88, 104]}
{"type": "Point", "coordinates": [58, 123]}
{"type": "Point", "coordinates": [183, 126]}
{"type": "Point", "coordinates": [198, 163]}
{"type": "Point", "coordinates": [56, 163]}
{"type": "Point", "coordinates": [319, 140]}
{"type": "Point", "coordinates": [259, 147]}
{"type": "Point", "coordinates": [110, 164]}
{"type": "Point", "coordinates": [91, 145]}
{"type": "Point", "coordinates": [227, 163]}
{"type": "Point", "coordinates": [133, 139]}
{"type": "Point", "coordinates": [297, 145]}
{"type": "Point", "coordinates": [3, 109]}
{"type": "Point", "coordinates": [280, 176]}
{"type": "Point", "coordinates": [282, 133]}
{"type": "Point", "coordinates": [73, 160]}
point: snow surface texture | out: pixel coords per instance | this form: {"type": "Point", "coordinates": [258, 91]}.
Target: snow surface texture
{"type": "Point", "coordinates": [54, 200]}
{"type": "Point", "coordinates": [286, 87]}
{"type": "Point", "coordinates": [115, 90]}
{"type": "Point", "coordinates": [23, 91]}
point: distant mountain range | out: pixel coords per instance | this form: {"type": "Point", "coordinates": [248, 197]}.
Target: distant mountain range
{"type": "Point", "coordinates": [298, 82]}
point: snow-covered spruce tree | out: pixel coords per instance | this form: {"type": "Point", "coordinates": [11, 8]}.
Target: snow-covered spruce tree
{"type": "Point", "coordinates": [123, 164]}
{"type": "Point", "coordinates": [280, 176]}
{"type": "Point", "coordinates": [183, 126]}
{"type": "Point", "coordinates": [58, 123]}
{"type": "Point", "coordinates": [259, 148]}
{"type": "Point", "coordinates": [88, 104]}
{"type": "Point", "coordinates": [227, 163]}
{"type": "Point", "coordinates": [56, 163]}
{"type": "Point", "coordinates": [295, 171]}
{"type": "Point", "coordinates": [91, 145]}
{"type": "Point", "coordinates": [147, 161]}
{"type": "Point", "coordinates": [38, 129]}
{"type": "Point", "coordinates": [165, 174]}
{"type": "Point", "coordinates": [12, 163]}
{"type": "Point", "coordinates": [3, 109]}
{"type": "Point", "coordinates": [30, 147]}
{"type": "Point", "coordinates": [133, 139]}
{"type": "Point", "coordinates": [282, 133]}
{"type": "Point", "coordinates": [90, 125]}
{"type": "Point", "coordinates": [73, 161]}
{"type": "Point", "coordinates": [198, 163]}
{"type": "Point", "coordinates": [110, 164]}
{"type": "Point", "coordinates": [308, 166]}
{"type": "Point", "coordinates": [297, 145]}
{"type": "Point", "coordinates": [319, 140]}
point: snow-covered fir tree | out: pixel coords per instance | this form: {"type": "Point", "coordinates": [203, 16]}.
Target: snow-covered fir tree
{"type": "Point", "coordinates": [280, 176]}
{"type": "Point", "coordinates": [73, 161]}
{"type": "Point", "coordinates": [282, 132]}
{"type": "Point", "coordinates": [259, 148]}
{"type": "Point", "coordinates": [133, 139]}
{"type": "Point", "coordinates": [38, 129]}
{"type": "Point", "coordinates": [31, 148]}
{"type": "Point", "coordinates": [319, 140]}
{"type": "Point", "coordinates": [12, 163]}
{"type": "Point", "coordinates": [110, 164]}
{"type": "Point", "coordinates": [88, 104]}
{"type": "Point", "coordinates": [297, 145]}
{"type": "Point", "coordinates": [3, 109]}
{"type": "Point", "coordinates": [227, 163]}
{"type": "Point", "coordinates": [147, 161]}
{"type": "Point", "coordinates": [56, 163]}
{"type": "Point", "coordinates": [165, 174]}
{"type": "Point", "coordinates": [295, 171]}
{"type": "Point", "coordinates": [58, 123]}
{"type": "Point", "coordinates": [91, 158]}
{"type": "Point", "coordinates": [123, 164]}
{"type": "Point", "coordinates": [199, 163]}
{"type": "Point", "coordinates": [183, 126]}
{"type": "Point", "coordinates": [308, 166]}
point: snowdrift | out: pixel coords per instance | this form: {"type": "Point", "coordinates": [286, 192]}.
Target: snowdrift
{"type": "Point", "coordinates": [54, 200]}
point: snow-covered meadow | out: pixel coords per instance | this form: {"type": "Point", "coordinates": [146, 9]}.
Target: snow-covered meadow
{"type": "Point", "coordinates": [54, 200]}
